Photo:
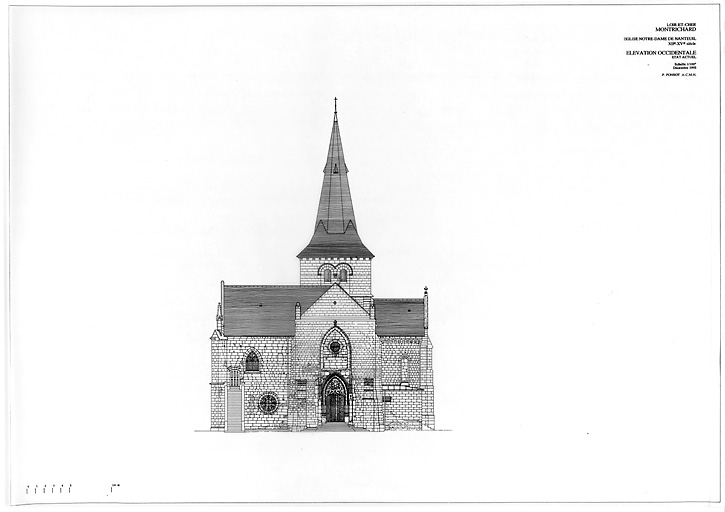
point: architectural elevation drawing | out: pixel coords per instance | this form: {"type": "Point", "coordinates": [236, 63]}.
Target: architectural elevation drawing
{"type": "Point", "coordinates": [324, 354]}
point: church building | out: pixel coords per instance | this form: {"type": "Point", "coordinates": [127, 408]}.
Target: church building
{"type": "Point", "coordinates": [326, 352]}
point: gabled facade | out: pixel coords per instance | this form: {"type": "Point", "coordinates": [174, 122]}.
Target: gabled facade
{"type": "Point", "coordinates": [326, 351]}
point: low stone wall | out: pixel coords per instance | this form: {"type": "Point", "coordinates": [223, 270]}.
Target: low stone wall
{"type": "Point", "coordinates": [402, 408]}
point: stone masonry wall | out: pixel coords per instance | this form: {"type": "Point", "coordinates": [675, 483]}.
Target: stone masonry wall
{"type": "Point", "coordinates": [426, 383]}
{"type": "Point", "coordinates": [361, 365]}
{"type": "Point", "coordinates": [394, 349]}
{"type": "Point", "coordinates": [273, 353]}
{"type": "Point", "coordinates": [331, 314]}
{"type": "Point", "coordinates": [411, 405]}
{"type": "Point", "coordinates": [217, 384]}
{"type": "Point", "coordinates": [403, 410]}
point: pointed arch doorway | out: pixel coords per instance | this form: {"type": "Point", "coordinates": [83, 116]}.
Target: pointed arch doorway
{"type": "Point", "coordinates": [334, 397]}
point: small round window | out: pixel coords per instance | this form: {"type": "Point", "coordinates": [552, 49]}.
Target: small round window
{"type": "Point", "coordinates": [335, 347]}
{"type": "Point", "coordinates": [268, 403]}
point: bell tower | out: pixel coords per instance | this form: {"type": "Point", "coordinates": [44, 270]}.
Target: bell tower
{"type": "Point", "coordinates": [336, 254]}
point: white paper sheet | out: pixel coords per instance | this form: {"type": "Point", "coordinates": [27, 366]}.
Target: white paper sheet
{"type": "Point", "coordinates": [534, 166]}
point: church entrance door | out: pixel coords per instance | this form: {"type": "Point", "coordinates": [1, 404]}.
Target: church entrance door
{"type": "Point", "coordinates": [335, 399]}
{"type": "Point", "coordinates": [335, 408]}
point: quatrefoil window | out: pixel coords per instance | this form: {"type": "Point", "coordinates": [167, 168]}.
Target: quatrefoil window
{"type": "Point", "coordinates": [335, 347]}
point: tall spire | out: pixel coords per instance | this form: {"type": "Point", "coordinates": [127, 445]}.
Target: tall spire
{"type": "Point", "coordinates": [335, 209]}
{"type": "Point", "coordinates": [335, 228]}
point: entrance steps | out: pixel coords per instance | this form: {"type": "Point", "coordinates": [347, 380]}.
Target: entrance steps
{"type": "Point", "coordinates": [335, 426]}
{"type": "Point", "coordinates": [234, 409]}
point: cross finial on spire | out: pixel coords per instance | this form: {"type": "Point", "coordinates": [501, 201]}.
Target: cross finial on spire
{"type": "Point", "coordinates": [335, 104]}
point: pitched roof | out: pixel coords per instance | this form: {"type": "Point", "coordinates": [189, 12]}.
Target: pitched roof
{"type": "Point", "coordinates": [399, 317]}
{"type": "Point", "coordinates": [335, 245]}
{"type": "Point", "coordinates": [335, 228]}
{"type": "Point", "coordinates": [265, 310]}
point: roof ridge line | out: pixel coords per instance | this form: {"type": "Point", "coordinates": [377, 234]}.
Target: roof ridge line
{"type": "Point", "coordinates": [276, 286]}
{"type": "Point", "coordinates": [400, 300]}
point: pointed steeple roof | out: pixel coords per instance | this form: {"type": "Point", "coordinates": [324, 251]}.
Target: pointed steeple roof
{"type": "Point", "coordinates": [335, 228]}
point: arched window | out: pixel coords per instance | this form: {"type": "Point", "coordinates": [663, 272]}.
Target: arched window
{"type": "Point", "coordinates": [252, 363]}
{"type": "Point", "coordinates": [404, 370]}
{"type": "Point", "coordinates": [335, 350]}
{"type": "Point", "coordinates": [327, 275]}
{"type": "Point", "coordinates": [343, 275]}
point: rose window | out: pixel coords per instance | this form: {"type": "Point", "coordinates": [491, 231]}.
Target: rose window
{"type": "Point", "coordinates": [268, 403]}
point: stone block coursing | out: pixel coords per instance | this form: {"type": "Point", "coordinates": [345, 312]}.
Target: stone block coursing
{"type": "Point", "coordinates": [403, 411]}
{"type": "Point", "coordinates": [294, 370]}
{"type": "Point", "coordinates": [271, 377]}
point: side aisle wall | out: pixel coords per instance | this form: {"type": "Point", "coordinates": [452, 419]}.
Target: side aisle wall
{"type": "Point", "coordinates": [271, 378]}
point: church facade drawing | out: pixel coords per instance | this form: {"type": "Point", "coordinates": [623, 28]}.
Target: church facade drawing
{"type": "Point", "coordinates": [325, 352]}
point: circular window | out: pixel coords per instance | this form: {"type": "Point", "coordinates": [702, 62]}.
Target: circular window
{"type": "Point", "coordinates": [335, 347]}
{"type": "Point", "coordinates": [268, 403]}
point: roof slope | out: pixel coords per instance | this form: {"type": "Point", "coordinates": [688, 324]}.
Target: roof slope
{"type": "Point", "coordinates": [335, 245]}
{"type": "Point", "coordinates": [335, 228]}
{"type": "Point", "coordinates": [399, 317]}
{"type": "Point", "coordinates": [265, 310]}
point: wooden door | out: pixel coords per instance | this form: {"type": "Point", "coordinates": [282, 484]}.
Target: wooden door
{"type": "Point", "coordinates": [335, 407]}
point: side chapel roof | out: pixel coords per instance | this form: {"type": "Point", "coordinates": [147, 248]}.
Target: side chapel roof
{"type": "Point", "coordinates": [265, 310]}
{"type": "Point", "coordinates": [399, 317]}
